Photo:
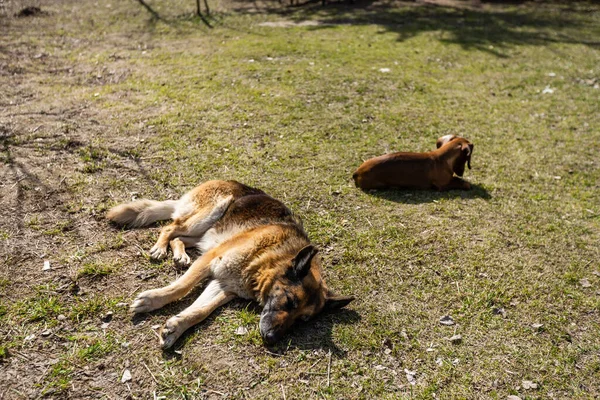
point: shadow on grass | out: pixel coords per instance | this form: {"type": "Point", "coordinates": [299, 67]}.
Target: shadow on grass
{"type": "Point", "coordinates": [492, 29]}
{"type": "Point", "coordinates": [317, 333]}
{"type": "Point", "coordinates": [427, 196]}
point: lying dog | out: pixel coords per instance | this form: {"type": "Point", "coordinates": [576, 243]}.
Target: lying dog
{"type": "Point", "coordinates": [252, 247]}
{"type": "Point", "coordinates": [434, 169]}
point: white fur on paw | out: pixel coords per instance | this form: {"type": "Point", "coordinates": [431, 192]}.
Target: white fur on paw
{"type": "Point", "coordinates": [158, 253]}
{"type": "Point", "coordinates": [182, 259]}
{"type": "Point", "coordinates": [145, 302]}
{"type": "Point", "coordinates": [170, 333]}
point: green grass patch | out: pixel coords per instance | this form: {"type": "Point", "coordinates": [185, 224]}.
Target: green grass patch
{"type": "Point", "coordinates": [97, 269]}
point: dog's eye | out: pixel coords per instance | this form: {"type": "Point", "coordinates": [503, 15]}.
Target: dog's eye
{"type": "Point", "coordinates": [305, 318]}
{"type": "Point", "coordinates": [290, 303]}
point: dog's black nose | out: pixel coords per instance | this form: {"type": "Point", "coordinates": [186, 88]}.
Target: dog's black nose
{"type": "Point", "coordinates": [270, 337]}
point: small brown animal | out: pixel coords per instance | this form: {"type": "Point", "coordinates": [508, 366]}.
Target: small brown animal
{"type": "Point", "coordinates": [253, 247]}
{"type": "Point", "coordinates": [434, 169]}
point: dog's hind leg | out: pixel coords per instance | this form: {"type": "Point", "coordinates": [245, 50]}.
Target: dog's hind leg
{"type": "Point", "coordinates": [156, 298]}
{"type": "Point", "coordinates": [178, 246]}
{"type": "Point", "coordinates": [211, 298]}
{"type": "Point", "coordinates": [194, 223]}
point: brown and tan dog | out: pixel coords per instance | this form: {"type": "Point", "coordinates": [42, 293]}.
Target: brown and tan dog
{"type": "Point", "coordinates": [434, 169]}
{"type": "Point", "coordinates": [253, 247]}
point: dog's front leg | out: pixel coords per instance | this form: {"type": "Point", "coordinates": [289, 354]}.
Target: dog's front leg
{"type": "Point", "coordinates": [178, 246]}
{"type": "Point", "coordinates": [156, 298]}
{"type": "Point", "coordinates": [211, 298]}
{"type": "Point", "coordinates": [458, 183]}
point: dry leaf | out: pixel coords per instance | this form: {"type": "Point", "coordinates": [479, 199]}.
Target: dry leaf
{"type": "Point", "coordinates": [529, 385]}
{"type": "Point", "coordinates": [585, 283]}
{"type": "Point", "coordinates": [241, 330]}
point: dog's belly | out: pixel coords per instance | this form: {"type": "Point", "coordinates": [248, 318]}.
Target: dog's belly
{"type": "Point", "coordinates": [212, 238]}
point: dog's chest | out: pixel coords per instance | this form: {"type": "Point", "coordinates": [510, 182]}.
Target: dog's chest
{"type": "Point", "coordinates": [227, 269]}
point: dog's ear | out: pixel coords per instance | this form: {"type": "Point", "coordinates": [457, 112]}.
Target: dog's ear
{"type": "Point", "coordinates": [467, 149]}
{"type": "Point", "coordinates": [335, 302]}
{"type": "Point", "coordinates": [301, 263]}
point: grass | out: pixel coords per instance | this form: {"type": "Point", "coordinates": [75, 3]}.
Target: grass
{"type": "Point", "coordinates": [105, 104]}
{"type": "Point", "coordinates": [97, 269]}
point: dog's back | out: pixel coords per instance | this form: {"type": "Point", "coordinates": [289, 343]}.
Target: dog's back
{"type": "Point", "coordinates": [409, 170]}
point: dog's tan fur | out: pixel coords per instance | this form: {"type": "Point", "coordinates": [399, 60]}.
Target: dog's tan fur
{"type": "Point", "coordinates": [434, 169]}
{"type": "Point", "coordinates": [253, 247]}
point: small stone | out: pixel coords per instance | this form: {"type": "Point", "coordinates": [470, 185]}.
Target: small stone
{"type": "Point", "coordinates": [439, 361]}
{"type": "Point", "coordinates": [410, 376]}
{"type": "Point", "coordinates": [499, 311]}
{"type": "Point", "coordinates": [104, 325]}
{"type": "Point", "coordinates": [107, 317]}
{"type": "Point", "coordinates": [46, 266]}
{"type": "Point", "coordinates": [241, 330]}
{"type": "Point", "coordinates": [447, 320]}
{"type": "Point", "coordinates": [46, 332]}
{"type": "Point", "coordinates": [379, 367]}
{"type": "Point", "coordinates": [30, 337]}
{"type": "Point", "coordinates": [513, 397]}
{"type": "Point", "coordinates": [456, 339]}
{"type": "Point", "coordinates": [527, 385]}
{"type": "Point", "coordinates": [126, 376]}
{"type": "Point", "coordinates": [455, 362]}
{"type": "Point", "coordinates": [61, 317]}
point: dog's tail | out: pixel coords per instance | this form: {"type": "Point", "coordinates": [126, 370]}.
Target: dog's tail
{"type": "Point", "coordinates": [141, 212]}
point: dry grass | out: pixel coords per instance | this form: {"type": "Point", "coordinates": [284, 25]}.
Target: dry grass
{"type": "Point", "coordinates": [99, 103]}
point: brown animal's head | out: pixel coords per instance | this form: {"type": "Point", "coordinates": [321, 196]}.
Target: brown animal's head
{"type": "Point", "coordinates": [444, 139]}
{"type": "Point", "coordinates": [300, 293]}
{"type": "Point", "coordinates": [463, 147]}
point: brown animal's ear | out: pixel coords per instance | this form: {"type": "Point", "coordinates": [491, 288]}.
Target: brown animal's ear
{"type": "Point", "coordinates": [301, 263]}
{"type": "Point", "coordinates": [467, 150]}
{"type": "Point", "coordinates": [334, 302]}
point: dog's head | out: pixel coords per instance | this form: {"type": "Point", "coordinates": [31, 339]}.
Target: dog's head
{"type": "Point", "coordinates": [463, 147]}
{"type": "Point", "coordinates": [444, 139]}
{"type": "Point", "coordinates": [299, 293]}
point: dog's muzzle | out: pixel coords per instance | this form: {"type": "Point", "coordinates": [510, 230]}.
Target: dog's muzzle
{"type": "Point", "coordinates": [268, 331]}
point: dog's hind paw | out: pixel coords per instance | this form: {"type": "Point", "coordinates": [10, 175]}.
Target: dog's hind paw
{"type": "Point", "coordinates": [170, 333]}
{"type": "Point", "coordinates": [182, 259]}
{"type": "Point", "coordinates": [145, 302]}
{"type": "Point", "coordinates": [158, 253]}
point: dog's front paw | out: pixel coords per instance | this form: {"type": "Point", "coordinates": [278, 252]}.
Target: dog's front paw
{"type": "Point", "coordinates": [158, 253]}
{"type": "Point", "coordinates": [170, 333]}
{"type": "Point", "coordinates": [182, 259]}
{"type": "Point", "coordinates": [145, 302]}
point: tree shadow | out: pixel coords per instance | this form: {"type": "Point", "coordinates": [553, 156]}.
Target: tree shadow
{"type": "Point", "coordinates": [492, 29]}
{"type": "Point", "coordinates": [428, 196]}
